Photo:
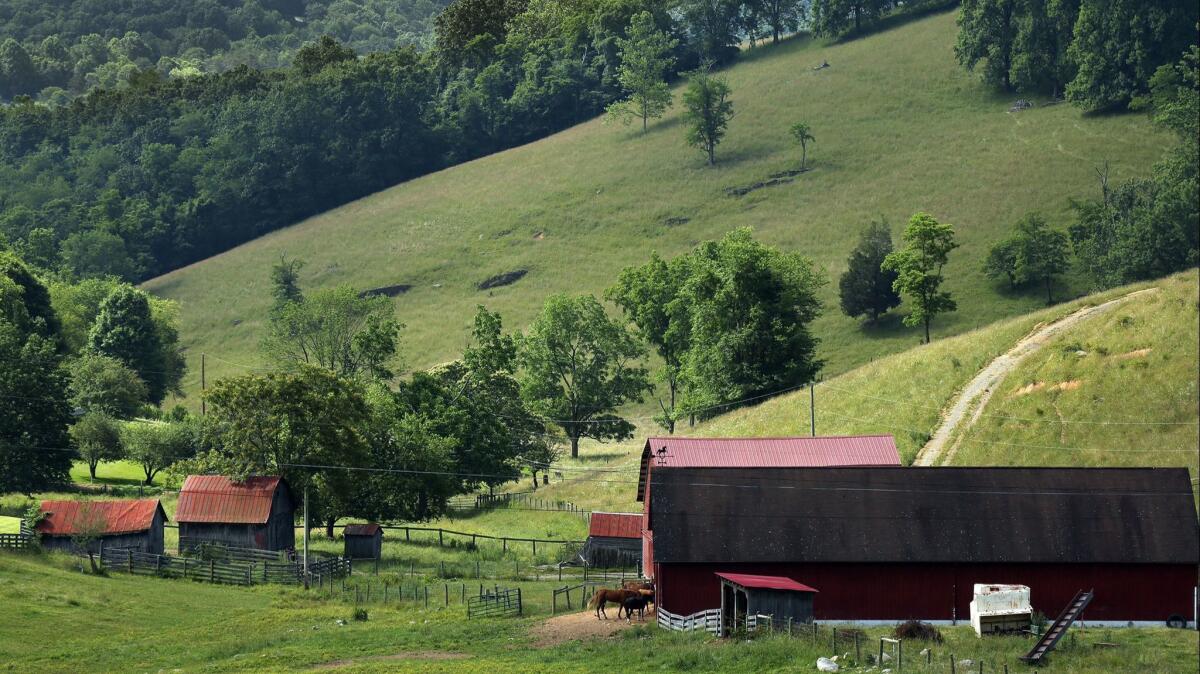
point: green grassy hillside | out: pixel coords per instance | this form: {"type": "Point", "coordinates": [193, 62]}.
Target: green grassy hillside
{"type": "Point", "coordinates": [899, 127]}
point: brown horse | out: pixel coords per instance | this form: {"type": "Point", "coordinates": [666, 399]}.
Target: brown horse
{"type": "Point", "coordinates": [637, 602]}
{"type": "Point", "coordinates": [604, 596]}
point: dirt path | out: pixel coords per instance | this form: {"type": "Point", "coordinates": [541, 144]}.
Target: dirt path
{"type": "Point", "coordinates": [581, 625]}
{"type": "Point", "coordinates": [981, 387]}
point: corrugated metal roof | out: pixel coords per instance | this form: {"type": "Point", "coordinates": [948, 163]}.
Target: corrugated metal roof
{"type": "Point", "coordinates": [925, 515]}
{"type": "Point", "coordinates": [218, 499]}
{"type": "Point", "coordinates": [361, 530]}
{"type": "Point", "coordinates": [616, 525]}
{"type": "Point", "coordinates": [67, 518]}
{"type": "Point", "coordinates": [766, 582]}
{"type": "Point", "coordinates": [787, 452]}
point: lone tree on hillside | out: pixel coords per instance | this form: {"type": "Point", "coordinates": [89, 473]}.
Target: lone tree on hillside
{"type": "Point", "coordinates": [96, 438]}
{"type": "Point", "coordinates": [866, 287]}
{"type": "Point", "coordinates": [927, 244]}
{"type": "Point", "coordinates": [708, 111]}
{"type": "Point", "coordinates": [645, 59]}
{"type": "Point", "coordinates": [803, 135]}
{"type": "Point", "coordinates": [1032, 253]}
{"type": "Point", "coordinates": [579, 367]}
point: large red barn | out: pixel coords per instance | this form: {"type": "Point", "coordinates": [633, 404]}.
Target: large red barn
{"type": "Point", "coordinates": [787, 452]}
{"type": "Point", "coordinates": [892, 544]}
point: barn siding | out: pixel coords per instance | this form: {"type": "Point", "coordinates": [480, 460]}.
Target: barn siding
{"type": "Point", "coordinates": [364, 547]}
{"type": "Point", "coordinates": [848, 591]}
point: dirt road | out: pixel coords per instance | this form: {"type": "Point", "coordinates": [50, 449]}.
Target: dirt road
{"type": "Point", "coordinates": [986, 380]}
{"type": "Point", "coordinates": [581, 625]}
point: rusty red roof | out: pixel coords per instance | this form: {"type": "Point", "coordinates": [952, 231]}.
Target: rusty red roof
{"type": "Point", "coordinates": [616, 525]}
{"type": "Point", "coordinates": [67, 518]}
{"type": "Point", "coordinates": [793, 452]}
{"type": "Point", "coordinates": [218, 499]}
{"type": "Point", "coordinates": [766, 582]}
{"type": "Point", "coordinates": [362, 530]}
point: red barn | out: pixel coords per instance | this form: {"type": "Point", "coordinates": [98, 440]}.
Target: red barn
{"type": "Point", "coordinates": [256, 513]}
{"type": "Point", "coordinates": [898, 543]}
{"type": "Point", "coordinates": [113, 524]}
{"type": "Point", "coordinates": [614, 539]}
{"type": "Point", "coordinates": [797, 452]}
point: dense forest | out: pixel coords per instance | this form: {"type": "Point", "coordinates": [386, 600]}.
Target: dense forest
{"type": "Point", "coordinates": [52, 50]}
{"type": "Point", "coordinates": [153, 170]}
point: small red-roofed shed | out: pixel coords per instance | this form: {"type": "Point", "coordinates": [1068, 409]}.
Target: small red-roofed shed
{"type": "Point", "coordinates": [136, 524]}
{"type": "Point", "coordinates": [614, 539]}
{"type": "Point", "coordinates": [782, 598]}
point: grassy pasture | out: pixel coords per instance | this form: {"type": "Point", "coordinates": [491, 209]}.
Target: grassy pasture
{"type": "Point", "coordinates": [900, 127]}
{"type": "Point", "coordinates": [113, 473]}
{"type": "Point", "coordinates": [123, 623]}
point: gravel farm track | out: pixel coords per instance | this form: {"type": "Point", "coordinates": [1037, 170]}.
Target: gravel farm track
{"type": "Point", "coordinates": [981, 387]}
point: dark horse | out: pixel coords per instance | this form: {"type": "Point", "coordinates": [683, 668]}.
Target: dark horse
{"type": "Point", "coordinates": [637, 603]}
{"type": "Point", "coordinates": [604, 596]}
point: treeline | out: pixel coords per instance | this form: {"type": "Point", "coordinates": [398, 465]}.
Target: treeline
{"type": "Point", "coordinates": [1099, 54]}
{"type": "Point", "coordinates": [53, 50]}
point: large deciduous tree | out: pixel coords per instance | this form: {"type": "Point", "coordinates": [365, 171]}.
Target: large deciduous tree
{"type": "Point", "coordinates": [919, 264]}
{"type": "Point", "coordinates": [836, 17]}
{"type": "Point", "coordinates": [751, 309]}
{"type": "Point", "coordinates": [579, 366]}
{"type": "Point", "coordinates": [707, 111]}
{"type": "Point", "coordinates": [645, 59]}
{"type": "Point", "coordinates": [125, 330]}
{"type": "Point", "coordinates": [96, 437]}
{"type": "Point", "coordinates": [156, 445]}
{"type": "Point", "coordinates": [106, 385]}
{"type": "Point", "coordinates": [1032, 253]}
{"type": "Point", "coordinates": [783, 16]}
{"type": "Point", "coordinates": [866, 287]}
{"type": "Point", "coordinates": [651, 297]}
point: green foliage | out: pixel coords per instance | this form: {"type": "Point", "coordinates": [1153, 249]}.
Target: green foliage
{"type": "Point", "coordinates": [155, 445]}
{"type": "Point", "coordinates": [645, 59]}
{"type": "Point", "coordinates": [579, 366]}
{"type": "Point", "coordinates": [1032, 253]}
{"type": "Point", "coordinates": [97, 438]}
{"type": "Point", "coordinates": [125, 330]}
{"type": "Point", "coordinates": [782, 16]}
{"type": "Point", "coordinates": [105, 385]}
{"type": "Point", "coordinates": [285, 282]}
{"type": "Point", "coordinates": [866, 288]}
{"type": "Point", "coordinates": [918, 267]}
{"type": "Point", "coordinates": [24, 300]}
{"type": "Point", "coordinates": [337, 329]}
{"type": "Point", "coordinates": [33, 411]}
{"type": "Point", "coordinates": [750, 311]}
{"type": "Point", "coordinates": [98, 254]}
{"type": "Point", "coordinates": [837, 17]}
{"type": "Point", "coordinates": [803, 135]}
{"type": "Point", "coordinates": [714, 27]}
{"type": "Point", "coordinates": [313, 58]}
{"type": "Point", "coordinates": [707, 111]}
{"type": "Point", "coordinates": [652, 298]}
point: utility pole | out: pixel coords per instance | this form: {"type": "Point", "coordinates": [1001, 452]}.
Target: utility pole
{"type": "Point", "coordinates": [812, 408]}
{"type": "Point", "coordinates": [305, 535]}
{"type": "Point", "coordinates": [203, 407]}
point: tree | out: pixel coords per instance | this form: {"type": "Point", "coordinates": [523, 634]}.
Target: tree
{"type": "Point", "coordinates": [18, 74]}
{"type": "Point", "coordinates": [751, 308]}
{"type": "Point", "coordinates": [645, 59]}
{"type": "Point", "coordinates": [713, 25]}
{"type": "Point", "coordinates": [803, 135]}
{"type": "Point", "coordinates": [708, 111]}
{"type": "Point", "coordinates": [927, 245]}
{"type": "Point", "coordinates": [866, 287]}
{"type": "Point", "coordinates": [836, 17]}
{"type": "Point", "coordinates": [578, 368]}
{"type": "Point", "coordinates": [292, 424]}
{"type": "Point", "coordinates": [313, 58]}
{"type": "Point", "coordinates": [125, 330]}
{"type": "Point", "coordinates": [285, 282]}
{"type": "Point", "coordinates": [95, 253]}
{"type": "Point", "coordinates": [1032, 253]}
{"type": "Point", "coordinates": [986, 32]}
{"type": "Point", "coordinates": [337, 329]}
{"type": "Point", "coordinates": [651, 297]}
{"type": "Point", "coordinates": [97, 438]}
{"type": "Point", "coordinates": [90, 523]}
{"type": "Point", "coordinates": [156, 445]}
{"type": "Point", "coordinates": [103, 384]}
{"type": "Point", "coordinates": [783, 16]}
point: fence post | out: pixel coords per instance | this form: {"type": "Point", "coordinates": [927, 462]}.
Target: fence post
{"type": "Point", "coordinates": [446, 589]}
{"type": "Point", "coordinates": [520, 608]}
{"type": "Point", "coordinates": [534, 547]}
{"type": "Point", "coordinates": [212, 571]}
{"type": "Point", "coordinates": [463, 598]}
{"type": "Point", "coordinates": [477, 568]}
{"type": "Point", "coordinates": [440, 542]}
{"type": "Point", "coordinates": [184, 567]}
{"type": "Point", "coordinates": [157, 564]}
{"type": "Point", "coordinates": [130, 551]}
{"type": "Point", "coordinates": [952, 664]}
{"type": "Point", "coordinates": [560, 572]}
{"type": "Point", "coordinates": [426, 596]}
{"type": "Point", "coordinates": [504, 542]}
{"type": "Point", "coordinates": [834, 649]}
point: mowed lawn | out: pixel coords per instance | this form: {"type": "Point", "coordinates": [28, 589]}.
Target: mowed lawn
{"type": "Point", "coordinates": [56, 619]}
{"type": "Point", "coordinates": [899, 128]}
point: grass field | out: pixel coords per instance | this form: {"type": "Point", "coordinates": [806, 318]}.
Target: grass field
{"type": "Point", "coordinates": [899, 127]}
{"type": "Point", "coordinates": [123, 623]}
{"type": "Point", "coordinates": [113, 473]}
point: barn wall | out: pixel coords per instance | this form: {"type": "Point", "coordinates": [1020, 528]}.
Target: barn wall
{"type": "Point", "coordinates": [364, 547]}
{"type": "Point", "coordinates": [139, 541]}
{"type": "Point", "coordinates": [612, 551]}
{"type": "Point", "coordinates": [232, 535]}
{"type": "Point", "coordinates": [944, 591]}
{"type": "Point", "coordinates": [782, 605]}
{"type": "Point", "coordinates": [154, 537]}
{"type": "Point", "coordinates": [281, 526]}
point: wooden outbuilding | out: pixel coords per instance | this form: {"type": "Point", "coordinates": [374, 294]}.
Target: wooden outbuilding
{"type": "Point", "coordinates": [363, 541]}
{"type": "Point", "coordinates": [894, 544]}
{"type": "Point", "coordinates": [743, 594]}
{"type": "Point", "coordinates": [614, 539]}
{"type": "Point", "coordinates": [136, 524]}
{"type": "Point", "coordinates": [256, 513]}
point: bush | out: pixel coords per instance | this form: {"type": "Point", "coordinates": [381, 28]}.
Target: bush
{"type": "Point", "coordinates": [360, 615]}
{"type": "Point", "coordinates": [915, 629]}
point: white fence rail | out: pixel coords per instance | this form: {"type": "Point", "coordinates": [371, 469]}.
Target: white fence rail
{"type": "Point", "coordinates": [709, 621]}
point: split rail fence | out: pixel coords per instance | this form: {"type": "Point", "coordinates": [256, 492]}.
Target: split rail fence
{"type": "Point", "coordinates": [232, 572]}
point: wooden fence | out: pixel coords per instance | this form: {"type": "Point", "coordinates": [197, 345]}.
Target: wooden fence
{"type": "Point", "coordinates": [206, 549]}
{"type": "Point", "coordinates": [708, 621]}
{"type": "Point", "coordinates": [525, 500]}
{"type": "Point", "coordinates": [585, 590]}
{"type": "Point", "coordinates": [216, 571]}
{"type": "Point", "coordinates": [16, 541]}
{"type": "Point", "coordinates": [501, 602]}
{"type": "Point", "coordinates": [472, 539]}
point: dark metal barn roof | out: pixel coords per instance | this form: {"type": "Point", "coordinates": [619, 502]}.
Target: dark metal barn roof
{"type": "Point", "coordinates": [218, 499]}
{"type": "Point", "coordinates": [881, 514]}
{"type": "Point", "coordinates": [66, 518]}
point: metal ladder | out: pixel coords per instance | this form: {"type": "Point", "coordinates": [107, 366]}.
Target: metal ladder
{"type": "Point", "coordinates": [1059, 628]}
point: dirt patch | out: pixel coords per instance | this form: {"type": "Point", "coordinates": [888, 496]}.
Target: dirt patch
{"type": "Point", "coordinates": [1028, 388]}
{"type": "Point", "coordinates": [387, 291]}
{"type": "Point", "coordinates": [1068, 385]}
{"type": "Point", "coordinates": [1137, 353]}
{"type": "Point", "coordinates": [507, 278]}
{"type": "Point", "coordinates": [780, 178]}
{"type": "Point", "coordinates": [581, 625]}
{"type": "Point", "coordinates": [539, 236]}
{"type": "Point", "coordinates": [414, 655]}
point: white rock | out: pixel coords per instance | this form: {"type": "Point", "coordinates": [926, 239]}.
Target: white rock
{"type": "Point", "coordinates": [886, 657]}
{"type": "Point", "coordinates": [924, 651]}
{"type": "Point", "coordinates": [826, 665]}
{"type": "Point", "coordinates": [965, 664]}
{"type": "Point", "coordinates": [885, 671]}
